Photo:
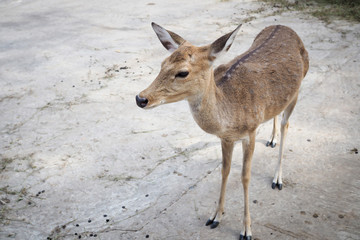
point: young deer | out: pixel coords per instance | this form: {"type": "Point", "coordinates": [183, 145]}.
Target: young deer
{"type": "Point", "coordinates": [235, 98]}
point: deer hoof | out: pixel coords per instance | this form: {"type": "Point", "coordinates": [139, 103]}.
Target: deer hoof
{"type": "Point", "coordinates": [242, 237]}
{"type": "Point", "coordinates": [271, 143]}
{"type": "Point", "coordinates": [209, 222]}
{"type": "Point", "coordinates": [214, 224]}
{"type": "Point", "coordinates": [278, 185]}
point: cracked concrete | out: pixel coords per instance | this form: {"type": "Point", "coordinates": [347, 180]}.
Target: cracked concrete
{"type": "Point", "coordinates": [79, 158]}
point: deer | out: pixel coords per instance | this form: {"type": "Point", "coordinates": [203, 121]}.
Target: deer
{"type": "Point", "coordinates": [233, 99]}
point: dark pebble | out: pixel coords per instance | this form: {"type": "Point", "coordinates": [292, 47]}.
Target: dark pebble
{"type": "Point", "coordinates": [309, 140]}
{"type": "Point", "coordinates": [95, 235]}
{"type": "Point", "coordinates": [123, 207]}
{"type": "Point", "coordinates": [107, 220]}
{"type": "Point", "coordinates": [89, 221]}
{"type": "Point", "coordinates": [77, 225]}
{"type": "Point", "coordinates": [29, 203]}
{"type": "Point", "coordinates": [91, 234]}
{"type": "Point", "coordinates": [42, 191]}
{"type": "Point", "coordinates": [147, 236]}
{"type": "Point", "coordinates": [146, 195]}
{"type": "Point", "coordinates": [341, 216]}
{"type": "Point", "coordinates": [105, 215]}
{"type": "Point", "coordinates": [315, 215]}
{"type": "Point", "coordinates": [38, 193]}
{"type": "Point", "coordinates": [255, 201]}
{"type": "Point", "coordinates": [79, 236]}
{"type": "Point", "coordinates": [74, 86]}
{"type": "Point", "coordinates": [75, 234]}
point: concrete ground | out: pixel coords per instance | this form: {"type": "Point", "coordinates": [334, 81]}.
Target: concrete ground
{"type": "Point", "coordinates": [79, 158]}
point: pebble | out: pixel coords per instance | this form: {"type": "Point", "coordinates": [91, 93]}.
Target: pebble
{"type": "Point", "coordinates": [146, 195]}
{"type": "Point", "coordinates": [89, 221]}
{"type": "Point", "coordinates": [147, 236]}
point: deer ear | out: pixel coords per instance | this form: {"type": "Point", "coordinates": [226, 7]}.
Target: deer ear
{"type": "Point", "coordinates": [171, 41]}
{"type": "Point", "coordinates": [222, 44]}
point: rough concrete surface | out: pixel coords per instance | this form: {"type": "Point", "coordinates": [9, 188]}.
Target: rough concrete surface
{"type": "Point", "coordinates": [79, 158]}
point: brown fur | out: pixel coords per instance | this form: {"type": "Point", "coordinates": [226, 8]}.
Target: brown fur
{"type": "Point", "coordinates": [235, 98]}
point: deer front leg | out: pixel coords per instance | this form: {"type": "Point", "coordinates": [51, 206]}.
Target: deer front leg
{"type": "Point", "coordinates": [227, 150]}
{"type": "Point", "coordinates": [248, 150]}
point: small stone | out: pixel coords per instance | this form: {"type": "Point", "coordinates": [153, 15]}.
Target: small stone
{"type": "Point", "coordinates": [89, 221]}
{"type": "Point", "coordinates": [79, 236]}
{"type": "Point", "coordinates": [123, 207]}
{"type": "Point", "coordinates": [42, 191]}
{"type": "Point", "coordinates": [146, 195]}
{"type": "Point", "coordinates": [91, 234]}
{"type": "Point", "coordinates": [255, 201]}
{"type": "Point", "coordinates": [95, 235]}
{"type": "Point", "coordinates": [302, 212]}
{"type": "Point", "coordinates": [341, 216]}
{"type": "Point", "coordinates": [309, 140]}
{"type": "Point", "coordinates": [315, 215]}
{"type": "Point", "coordinates": [107, 220]}
{"type": "Point", "coordinates": [147, 236]}
{"type": "Point", "coordinates": [77, 225]}
{"type": "Point", "coordinates": [105, 215]}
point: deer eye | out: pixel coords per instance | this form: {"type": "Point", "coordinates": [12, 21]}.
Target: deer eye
{"type": "Point", "coordinates": [182, 74]}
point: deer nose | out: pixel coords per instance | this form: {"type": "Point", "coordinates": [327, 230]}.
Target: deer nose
{"type": "Point", "coordinates": [141, 102]}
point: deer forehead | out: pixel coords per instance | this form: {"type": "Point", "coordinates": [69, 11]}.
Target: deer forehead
{"type": "Point", "coordinates": [185, 57]}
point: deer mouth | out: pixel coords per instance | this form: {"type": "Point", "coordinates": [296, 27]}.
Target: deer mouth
{"type": "Point", "coordinates": [146, 103]}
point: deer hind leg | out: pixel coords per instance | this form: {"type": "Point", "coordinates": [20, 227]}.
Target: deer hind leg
{"type": "Point", "coordinates": [248, 150]}
{"type": "Point", "coordinates": [227, 150]}
{"type": "Point", "coordinates": [277, 181]}
{"type": "Point", "coordinates": [274, 134]}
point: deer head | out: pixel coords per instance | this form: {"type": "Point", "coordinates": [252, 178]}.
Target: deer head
{"type": "Point", "coordinates": [186, 72]}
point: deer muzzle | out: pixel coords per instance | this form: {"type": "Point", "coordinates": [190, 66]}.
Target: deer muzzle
{"type": "Point", "coordinates": [141, 102]}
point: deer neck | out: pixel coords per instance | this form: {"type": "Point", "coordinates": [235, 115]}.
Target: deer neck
{"type": "Point", "coordinates": [206, 105]}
